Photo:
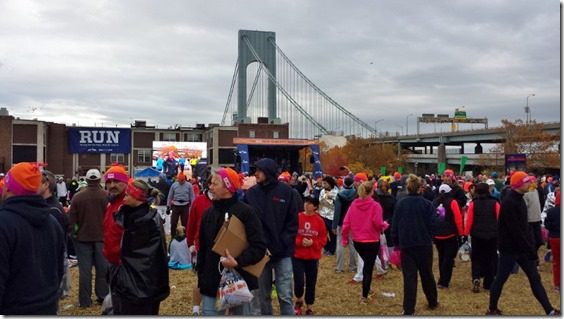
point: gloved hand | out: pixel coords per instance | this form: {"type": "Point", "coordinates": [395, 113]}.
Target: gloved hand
{"type": "Point", "coordinates": [192, 249]}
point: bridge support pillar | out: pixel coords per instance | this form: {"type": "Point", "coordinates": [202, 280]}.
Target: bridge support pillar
{"type": "Point", "coordinates": [441, 154]}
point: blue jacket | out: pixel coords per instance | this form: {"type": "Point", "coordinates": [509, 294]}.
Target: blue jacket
{"type": "Point", "coordinates": [277, 208]}
{"type": "Point", "coordinates": [412, 222]}
{"type": "Point", "coordinates": [343, 199]}
{"type": "Point", "coordinates": [32, 249]}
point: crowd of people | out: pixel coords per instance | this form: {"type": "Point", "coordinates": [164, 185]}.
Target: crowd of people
{"type": "Point", "coordinates": [296, 220]}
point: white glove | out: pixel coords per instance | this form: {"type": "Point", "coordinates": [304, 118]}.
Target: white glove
{"type": "Point", "coordinates": [192, 248]}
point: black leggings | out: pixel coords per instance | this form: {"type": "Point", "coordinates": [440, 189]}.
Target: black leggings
{"type": "Point", "coordinates": [368, 253]}
{"type": "Point", "coordinates": [308, 269]}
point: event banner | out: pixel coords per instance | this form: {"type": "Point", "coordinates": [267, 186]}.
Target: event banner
{"type": "Point", "coordinates": [243, 150]}
{"type": "Point", "coordinates": [99, 140]}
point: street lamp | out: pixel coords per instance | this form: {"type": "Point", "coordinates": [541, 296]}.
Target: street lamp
{"type": "Point", "coordinates": [407, 123]}
{"type": "Point", "coordinates": [527, 109]}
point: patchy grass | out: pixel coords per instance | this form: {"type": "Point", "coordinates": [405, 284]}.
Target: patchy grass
{"type": "Point", "coordinates": [336, 296]}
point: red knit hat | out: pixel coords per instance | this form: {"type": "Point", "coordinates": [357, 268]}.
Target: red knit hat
{"type": "Point", "coordinates": [360, 177]}
{"type": "Point", "coordinates": [519, 178]}
{"type": "Point", "coordinates": [230, 179]}
{"type": "Point", "coordinates": [448, 173]}
{"type": "Point", "coordinates": [181, 177]}
{"type": "Point", "coordinates": [116, 172]}
{"type": "Point", "coordinates": [23, 179]}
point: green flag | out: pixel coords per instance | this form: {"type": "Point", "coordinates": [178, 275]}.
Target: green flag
{"type": "Point", "coordinates": [441, 168]}
{"type": "Point", "coordinates": [382, 170]}
{"type": "Point", "coordinates": [400, 170]}
{"type": "Point", "coordinates": [463, 160]}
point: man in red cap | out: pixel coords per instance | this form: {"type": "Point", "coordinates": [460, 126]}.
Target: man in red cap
{"type": "Point", "coordinates": [180, 197]}
{"type": "Point", "coordinates": [32, 248]}
{"type": "Point", "coordinates": [116, 179]}
{"type": "Point", "coordinates": [516, 245]}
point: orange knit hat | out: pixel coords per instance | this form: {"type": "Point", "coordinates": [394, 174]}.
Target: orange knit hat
{"type": "Point", "coordinates": [360, 177]}
{"type": "Point", "coordinates": [519, 178]}
{"type": "Point", "coordinates": [117, 172]}
{"type": "Point", "coordinates": [23, 179]}
{"type": "Point", "coordinates": [230, 179]}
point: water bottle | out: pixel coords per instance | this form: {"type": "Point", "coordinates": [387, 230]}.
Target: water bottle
{"type": "Point", "coordinates": [441, 210]}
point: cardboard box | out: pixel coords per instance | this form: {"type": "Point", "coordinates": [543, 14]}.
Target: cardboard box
{"type": "Point", "coordinates": [233, 236]}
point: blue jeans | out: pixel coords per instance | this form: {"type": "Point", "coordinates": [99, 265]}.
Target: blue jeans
{"type": "Point", "coordinates": [283, 275]}
{"type": "Point", "coordinates": [209, 309]}
{"type": "Point", "coordinates": [90, 254]}
{"type": "Point", "coordinates": [506, 262]}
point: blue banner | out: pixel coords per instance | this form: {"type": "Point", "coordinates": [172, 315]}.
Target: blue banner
{"type": "Point", "coordinates": [317, 172]}
{"type": "Point", "coordinates": [99, 140]}
{"type": "Point", "coordinates": [243, 150]}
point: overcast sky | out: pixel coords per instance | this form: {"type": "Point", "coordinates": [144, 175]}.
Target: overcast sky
{"type": "Point", "coordinates": [167, 62]}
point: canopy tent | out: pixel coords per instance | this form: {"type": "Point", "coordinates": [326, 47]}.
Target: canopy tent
{"type": "Point", "coordinates": [148, 172]}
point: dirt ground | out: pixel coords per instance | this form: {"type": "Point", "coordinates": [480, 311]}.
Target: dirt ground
{"type": "Point", "coordinates": [335, 296]}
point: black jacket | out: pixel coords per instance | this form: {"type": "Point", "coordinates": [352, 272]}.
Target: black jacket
{"type": "Point", "coordinates": [412, 222]}
{"type": "Point", "coordinates": [142, 275]}
{"type": "Point", "coordinates": [212, 220]}
{"type": "Point", "coordinates": [552, 222]}
{"type": "Point", "coordinates": [277, 208]}
{"type": "Point", "coordinates": [32, 247]}
{"type": "Point", "coordinates": [484, 224]}
{"type": "Point", "coordinates": [515, 235]}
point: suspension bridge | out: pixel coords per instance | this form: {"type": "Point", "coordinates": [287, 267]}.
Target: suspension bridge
{"type": "Point", "coordinates": [279, 91]}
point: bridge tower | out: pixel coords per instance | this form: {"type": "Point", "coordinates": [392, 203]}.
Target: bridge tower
{"type": "Point", "coordinates": [266, 52]}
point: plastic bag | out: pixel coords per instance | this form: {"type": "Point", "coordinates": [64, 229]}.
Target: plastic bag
{"type": "Point", "coordinates": [384, 253]}
{"type": "Point", "coordinates": [395, 257]}
{"type": "Point", "coordinates": [233, 290]}
{"type": "Point", "coordinates": [464, 251]}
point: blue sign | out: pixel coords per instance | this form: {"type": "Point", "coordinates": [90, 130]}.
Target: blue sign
{"type": "Point", "coordinates": [243, 150]}
{"type": "Point", "coordinates": [99, 140]}
{"type": "Point", "coordinates": [317, 171]}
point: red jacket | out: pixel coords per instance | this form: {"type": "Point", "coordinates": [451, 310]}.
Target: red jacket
{"type": "Point", "coordinates": [310, 227]}
{"type": "Point", "coordinates": [197, 210]}
{"type": "Point", "coordinates": [113, 232]}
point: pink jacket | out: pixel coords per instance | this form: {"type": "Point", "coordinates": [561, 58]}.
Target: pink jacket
{"type": "Point", "coordinates": [364, 220]}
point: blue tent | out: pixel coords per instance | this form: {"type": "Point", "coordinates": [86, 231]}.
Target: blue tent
{"type": "Point", "coordinates": [148, 172]}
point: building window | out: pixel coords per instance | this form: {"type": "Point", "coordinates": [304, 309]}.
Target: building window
{"type": "Point", "coordinates": [275, 134]}
{"type": "Point", "coordinates": [117, 158]}
{"type": "Point", "coordinates": [193, 137]}
{"type": "Point", "coordinates": [169, 137]}
{"type": "Point", "coordinates": [252, 134]}
{"type": "Point", "coordinates": [144, 156]}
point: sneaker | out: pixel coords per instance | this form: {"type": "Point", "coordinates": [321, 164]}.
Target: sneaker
{"type": "Point", "coordinates": [309, 312]}
{"type": "Point", "coordinates": [442, 287]}
{"type": "Point", "coordinates": [298, 308]}
{"type": "Point", "coordinates": [354, 282]}
{"type": "Point", "coordinates": [433, 307]}
{"type": "Point", "coordinates": [554, 312]}
{"type": "Point", "coordinates": [476, 285]}
{"type": "Point", "coordinates": [493, 312]}
{"type": "Point", "coordinates": [363, 301]}
{"type": "Point", "coordinates": [337, 271]}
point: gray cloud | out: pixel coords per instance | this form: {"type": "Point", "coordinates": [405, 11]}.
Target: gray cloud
{"type": "Point", "coordinates": [115, 61]}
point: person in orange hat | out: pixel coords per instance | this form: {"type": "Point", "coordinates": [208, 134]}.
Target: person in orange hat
{"type": "Point", "coordinates": [141, 281]}
{"type": "Point", "coordinates": [116, 179]}
{"type": "Point", "coordinates": [224, 186]}
{"type": "Point", "coordinates": [180, 197]}
{"type": "Point", "coordinates": [33, 241]}
{"type": "Point", "coordinates": [515, 245]}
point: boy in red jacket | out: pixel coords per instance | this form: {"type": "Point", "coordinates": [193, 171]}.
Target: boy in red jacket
{"type": "Point", "coordinates": [310, 239]}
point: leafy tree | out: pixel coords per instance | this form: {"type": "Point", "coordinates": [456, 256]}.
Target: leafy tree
{"type": "Point", "coordinates": [542, 148]}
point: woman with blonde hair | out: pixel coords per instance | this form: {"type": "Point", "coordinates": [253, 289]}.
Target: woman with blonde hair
{"type": "Point", "coordinates": [365, 223]}
{"type": "Point", "coordinates": [412, 233]}
{"type": "Point", "coordinates": [140, 282]}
